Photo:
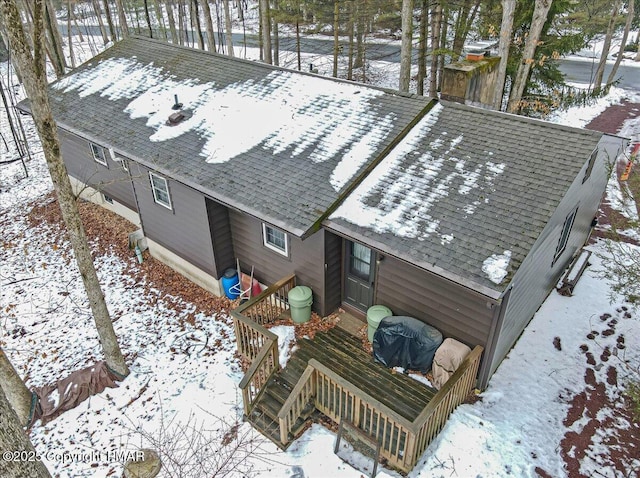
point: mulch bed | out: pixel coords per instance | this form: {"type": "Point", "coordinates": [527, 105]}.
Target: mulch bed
{"type": "Point", "coordinates": [108, 233]}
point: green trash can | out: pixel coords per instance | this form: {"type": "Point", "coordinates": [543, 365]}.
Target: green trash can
{"type": "Point", "coordinates": [300, 300]}
{"type": "Point", "coordinates": [375, 314]}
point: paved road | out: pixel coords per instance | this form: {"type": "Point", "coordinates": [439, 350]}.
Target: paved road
{"type": "Point", "coordinates": [582, 71]}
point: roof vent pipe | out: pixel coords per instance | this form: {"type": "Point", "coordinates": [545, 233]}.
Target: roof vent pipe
{"type": "Point", "coordinates": [176, 105]}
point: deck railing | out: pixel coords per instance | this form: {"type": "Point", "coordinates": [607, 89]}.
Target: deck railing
{"type": "Point", "coordinates": [338, 398]}
{"type": "Point", "coordinates": [270, 304]}
{"type": "Point", "coordinates": [435, 414]}
{"type": "Point", "coordinates": [300, 397]}
{"type": "Point", "coordinates": [257, 344]}
{"type": "Point", "coordinates": [402, 441]}
{"type": "Point", "coordinates": [263, 366]}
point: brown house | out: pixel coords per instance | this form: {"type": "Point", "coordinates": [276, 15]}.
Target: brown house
{"type": "Point", "coordinates": [461, 217]}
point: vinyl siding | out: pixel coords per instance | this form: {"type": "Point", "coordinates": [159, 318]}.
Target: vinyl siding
{"type": "Point", "coordinates": [220, 229]}
{"type": "Point", "coordinates": [305, 259]}
{"type": "Point", "coordinates": [184, 230]}
{"type": "Point", "coordinates": [333, 272]}
{"type": "Point", "coordinates": [536, 276]}
{"type": "Point", "coordinates": [454, 310]}
{"type": "Point", "coordinates": [111, 180]}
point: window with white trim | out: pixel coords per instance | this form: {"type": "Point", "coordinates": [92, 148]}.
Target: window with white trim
{"type": "Point", "coordinates": [98, 154]}
{"type": "Point", "coordinates": [275, 239]}
{"type": "Point", "coordinates": [160, 189]}
{"type": "Point", "coordinates": [564, 236]}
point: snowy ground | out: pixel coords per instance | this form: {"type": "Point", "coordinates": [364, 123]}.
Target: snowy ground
{"type": "Point", "coordinates": [177, 383]}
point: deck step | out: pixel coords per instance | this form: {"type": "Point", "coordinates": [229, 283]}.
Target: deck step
{"type": "Point", "coordinates": [266, 426]}
{"type": "Point", "coordinates": [342, 352]}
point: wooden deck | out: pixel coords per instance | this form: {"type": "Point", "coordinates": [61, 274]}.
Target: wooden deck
{"type": "Point", "coordinates": [334, 376]}
{"type": "Point", "coordinates": [343, 354]}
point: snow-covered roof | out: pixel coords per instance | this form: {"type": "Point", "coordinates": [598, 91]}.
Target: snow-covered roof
{"type": "Point", "coordinates": [437, 184]}
{"type": "Point", "coordinates": [466, 193]}
{"type": "Point", "coordinates": [280, 145]}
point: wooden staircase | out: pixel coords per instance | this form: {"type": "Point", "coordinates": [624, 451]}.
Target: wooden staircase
{"type": "Point", "coordinates": [343, 353]}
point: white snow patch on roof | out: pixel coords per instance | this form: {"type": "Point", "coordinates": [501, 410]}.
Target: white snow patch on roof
{"type": "Point", "coordinates": [446, 239]}
{"type": "Point", "coordinates": [403, 204]}
{"type": "Point", "coordinates": [496, 266]}
{"type": "Point", "coordinates": [470, 181]}
{"type": "Point", "coordinates": [284, 110]}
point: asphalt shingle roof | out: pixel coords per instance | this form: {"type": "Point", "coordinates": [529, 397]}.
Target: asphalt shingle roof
{"type": "Point", "coordinates": [280, 145]}
{"type": "Point", "coordinates": [464, 185]}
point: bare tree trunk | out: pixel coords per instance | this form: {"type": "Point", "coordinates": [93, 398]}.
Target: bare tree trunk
{"type": "Point", "coordinates": [351, 29]}
{"type": "Point", "coordinates": [540, 13]}
{"type": "Point", "coordinates": [59, 63]}
{"type": "Point", "coordinates": [436, 20]}
{"type": "Point", "coordinates": [107, 13]}
{"type": "Point", "coordinates": [506, 29]}
{"type": "Point", "coordinates": [336, 39]}
{"type": "Point", "coordinates": [49, 49]}
{"type": "Point", "coordinates": [124, 27]}
{"type": "Point", "coordinates": [172, 22]}
{"type": "Point", "coordinates": [148, 18]}
{"type": "Point", "coordinates": [265, 24]}
{"type": "Point", "coordinates": [32, 69]}
{"type": "Point", "coordinates": [597, 81]}
{"type": "Point", "coordinates": [160, 17]}
{"type": "Point", "coordinates": [228, 27]}
{"type": "Point", "coordinates": [13, 437]}
{"type": "Point", "coordinates": [405, 49]}
{"type": "Point", "coordinates": [298, 50]}
{"type": "Point", "coordinates": [96, 9]}
{"type": "Point", "coordinates": [464, 21]}
{"type": "Point", "coordinates": [638, 53]}
{"type": "Point", "coordinates": [276, 36]}
{"type": "Point", "coordinates": [14, 388]}
{"type": "Point", "coordinates": [240, 11]}
{"type": "Point", "coordinates": [211, 41]}
{"type": "Point", "coordinates": [134, 10]}
{"type": "Point", "coordinates": [623, 43]}
{"type": "Point", "coordinates": [182, 30]}
{"type": "Point", "coordinates": [72, 57]}
{"type": "Point", "coordinates": [359, 34]}
{"type": "Point", "coordinates": [195, 18]}
{"type": "Point", "coordinates": [444, 27]}
{"type": "Point", "coordinates": [75, 22]}
{"type": "Point", "coordinates": [422, 46]}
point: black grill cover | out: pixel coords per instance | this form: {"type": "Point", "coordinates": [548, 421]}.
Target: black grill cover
{"type": "Point", "coordinates": [406, 342]}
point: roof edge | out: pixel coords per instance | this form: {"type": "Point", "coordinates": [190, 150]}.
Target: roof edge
{"type": "Point", "coordinates": [484, 291]}
{"type": "Point", "coordinates": [258, 63]}
{"type": "Point", "coordinates": [223, 200]}
{"type": "Point", "coordinates": [358, 179]}
{"type": "Point", "coordinates": [524, 119]}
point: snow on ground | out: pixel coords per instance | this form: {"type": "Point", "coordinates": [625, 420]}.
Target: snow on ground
{"type": "Point", "coordinates": [580, 117]}
{"type": "Point", "coordinates": [517, 426]}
